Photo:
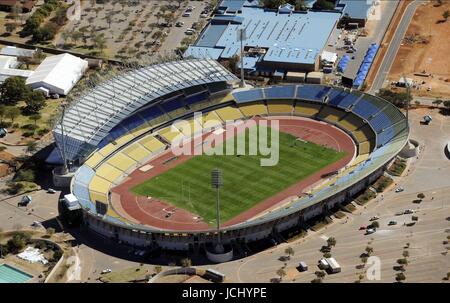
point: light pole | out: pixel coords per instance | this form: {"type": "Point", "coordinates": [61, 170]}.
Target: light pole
{"type": "Point", "coordinates": [217, 182]}
{"type": "Point", "coordinates": [241, 37]}
{"type": "Point", "coordinates": [65, 169]}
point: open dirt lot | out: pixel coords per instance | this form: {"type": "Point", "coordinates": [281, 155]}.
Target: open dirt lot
{"type": "Point", "coordinates": [426, 48]}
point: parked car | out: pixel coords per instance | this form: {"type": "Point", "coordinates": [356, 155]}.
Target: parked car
{"type": "Point", "coordinates": [203, 15]}
{"type": "Point", "coordinates": [189, 32]}
{"type": "Point", "coordinates": [408, 211]}
{"type": "Point", "coordinates": [303, 266]}
{"type": "Point", "coordinates": [392, 223]}
{"type": "Point", "coordinates": [179, 24]}
{"type": "Point", "coordinates": [399, 190]}
{"type": "Point", "coordinates": [51, 191]}
{"type": "Point", "coordinates": [370, 231]}
{"type": "Point", "coordinates": [362, 228]}
{"type": "Point", "coordinates": [106, 271]}
{"type": "Point", "coordinates": [186, 14]}
{"type": "Point", "coordinates": [374, 218]}
{"type": "Point", "coordinates": [24, 201]}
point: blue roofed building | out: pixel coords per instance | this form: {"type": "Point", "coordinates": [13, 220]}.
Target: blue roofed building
{"type": "Point", "coordinates": [275, 40]}
{"type": "Point", "coordinates": [358, 11]}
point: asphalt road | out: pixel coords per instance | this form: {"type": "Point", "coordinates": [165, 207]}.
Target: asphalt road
{"type": "Point", "coordinates": [394, 46]}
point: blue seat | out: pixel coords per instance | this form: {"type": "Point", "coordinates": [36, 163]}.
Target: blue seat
{"type": "Point", "coordinates": [172, 104]}
{"type": "Point", "coordinates": [150, 113]}
{"type": "Point", "coordinates": [365, 109]}
{"type": "Point", "coordinates": [385, 136]}
{"type": "Point", "coordinates": [380, 122]}
{"type": "Point", "coordinates": [196, 98]}
{"type": "Point", "coordinates": [312, 92]}
{"type": "Point", "coordinates": [341, 98]}
{"type": "Point", "coordinates": [280, 92]}
{"type": "Point", "coordinates": [132, 122]}
{"type": "Point", "coordinates": [249, 95]}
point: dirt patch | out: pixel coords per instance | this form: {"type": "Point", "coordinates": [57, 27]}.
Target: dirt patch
{"type": "Point", "coordinates": [425, 49]}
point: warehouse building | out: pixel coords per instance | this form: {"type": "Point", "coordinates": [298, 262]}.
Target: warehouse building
{"type": "Point", "coordinates": [275, 42]}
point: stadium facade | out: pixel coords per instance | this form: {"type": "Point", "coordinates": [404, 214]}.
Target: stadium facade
{"type": "Point", "coordinates": [116, 127]}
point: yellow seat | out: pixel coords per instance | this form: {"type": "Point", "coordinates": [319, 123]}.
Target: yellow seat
{"type": "Point", "coordinates": [307, 109]}
{"type": "Point", "coordinates": [227, 98]}
{"type": "Point", "coordinates": [140, 130]}
{"type": "Point", "coordinates": [151, 143]}
{"type": "Point", "coordinates": [189, 127]}
{"type": "Point", "coordinates": [280, 107]}
{"type": "Point", "coordinates": [364, 148]}
{"type": "Point", "coordinates": [170, 134]}
{"type": "Point", "coordinates": [351, 122]}
{"type": "Point", "coordinates": [109, 172]}
{"type": "Point", "coordinates": [331, 114]}
{"type": "Point", "coordinates": [136, 152]}
{"type": "Point", "coordinates": [107, 150]}
{"type": "Point", "coordinates": [94, 160]}
{"type": "Point", "coordinates": [360, 136]}
{"type": "Point", "coordinates": [211, 120]}
{"type": "Point", "coordinates": [229, 113]}
{"type": "Point", "coordinates": [254, 109]}
{"type": "Point", "coordinates": [124, 139]}
{"type": "Point", "coordinates": [121, 162]}
{"type": "Point", "coordinates": [98, 189]}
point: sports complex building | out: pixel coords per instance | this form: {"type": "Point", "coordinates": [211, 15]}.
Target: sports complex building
{"type": "Point", "coordinates": [120, 133]}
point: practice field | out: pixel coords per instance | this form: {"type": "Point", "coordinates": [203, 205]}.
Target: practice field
{"type": "Point", "coordinates": [246, 182]}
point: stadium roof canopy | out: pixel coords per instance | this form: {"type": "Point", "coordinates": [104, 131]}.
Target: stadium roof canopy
{"type": "Point", "coordinates": [90, 118]}
{"type": "Point", "coordinates": [58, 74]}
{"type": "Point", "coordinates": [298, 37]}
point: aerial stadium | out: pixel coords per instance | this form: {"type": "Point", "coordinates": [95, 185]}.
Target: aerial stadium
{"type": "Point", "coordinates": [132, 188]}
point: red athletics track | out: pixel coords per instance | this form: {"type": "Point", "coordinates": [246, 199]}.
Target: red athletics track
{"type": "Point", "coordinates": [152, 212]}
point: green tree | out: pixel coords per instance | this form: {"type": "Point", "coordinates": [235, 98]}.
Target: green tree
{"type": "Point", "coordinates": [13, 90]}
{"type": "Point", "coordinates": [446, 14]}
{"type": "Point", "coordinates": [331, 241]}
{"type": "Point", "coordinates": [437, 102]}
{"type": "Point", "coordinates": [34, 101]}
{"type": "Point", "coordinates": [400, 277]}
{"type": "Point", "coordinates": [420, 196]}
{"type": "Point", "coordinates": [405, 254]}
{"type": "Point", "coordinates": [158, 269]}
{"type": "Point", "coordinates": [186, 262]}
{"type": "Point", "coordinates": [289, 251]}
{"type": "Point", "coordinates": [35, 118]}
{"type": "Point", "coordinates": [10, 27]}
{"type": "Point", "coordinates": [12, 113]}
{"type": "Point", "coordinates": [375, 224]}
{"type": "Point", "coordinates": [320, 274]}
{"type": "Point", "coordinates": [2, 112]}
{"type": "Point", "coordinates": [369, 250]}
{"type": "Point", "coordinates": [281, 273]}
{"type": "Point", "coordinates": [31, 148]}
{"type": "Point", "coordinates": [324, 5]}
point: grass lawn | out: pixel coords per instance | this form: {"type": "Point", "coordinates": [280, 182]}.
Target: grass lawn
{"type": "Point", "coordinates": [246, 183]}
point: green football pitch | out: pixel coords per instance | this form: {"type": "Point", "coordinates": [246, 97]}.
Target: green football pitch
{"type": "Point", "coordinates": [245, 181]}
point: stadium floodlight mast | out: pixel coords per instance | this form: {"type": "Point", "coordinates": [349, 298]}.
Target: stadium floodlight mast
{"type": "Point", "coordinates": [217, 182]}
{"type": "Point", "coordinates": [65, 169]}
{"type": "Point", "coordinates": [241, 37]}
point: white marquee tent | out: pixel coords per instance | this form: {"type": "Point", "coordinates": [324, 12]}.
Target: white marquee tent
{"type": "Point", "coordinates": [58, 74]}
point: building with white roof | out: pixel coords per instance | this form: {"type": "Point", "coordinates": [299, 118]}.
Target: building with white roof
{"type": "Point", "coordinates": [58, 74]}
{"type": "Point", "coordinates": [17, 52]}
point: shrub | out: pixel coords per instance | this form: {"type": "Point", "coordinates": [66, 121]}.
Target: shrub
{"type": "Point", "coordinates": [25, 175]}
{"type": "Point", "coordinates": [28, 134]}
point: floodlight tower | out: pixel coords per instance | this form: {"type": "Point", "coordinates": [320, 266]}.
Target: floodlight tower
{"type": "Point", "coordinates": [217, 182]}
{"type": "Point", "coordinates": [241, 38]}
{"type": "Point", "coordinates": [65, 169]}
